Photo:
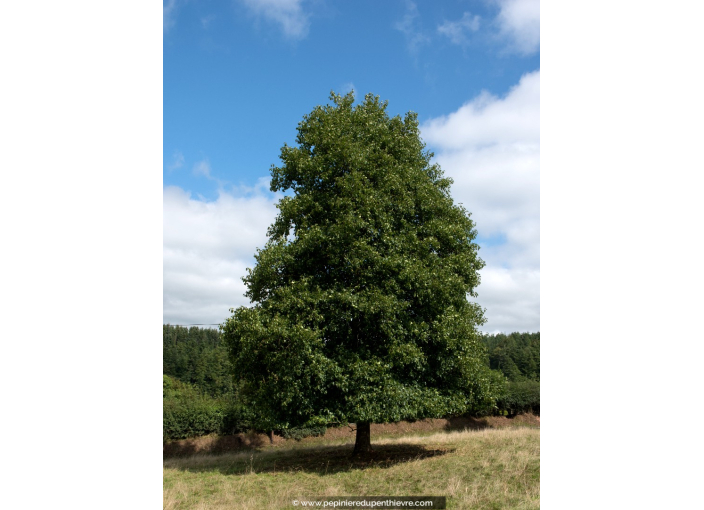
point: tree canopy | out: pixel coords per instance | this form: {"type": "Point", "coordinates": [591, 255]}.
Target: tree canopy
{"type": "Point", "coordinates": [517, 355]}
{"type": "Point", "coordinates": [199, 357]}
{"type": "Point", "coordinates": [359, 298]}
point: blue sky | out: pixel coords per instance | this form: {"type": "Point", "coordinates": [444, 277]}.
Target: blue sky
{"type": "Point", "coordinates": [239, 76]}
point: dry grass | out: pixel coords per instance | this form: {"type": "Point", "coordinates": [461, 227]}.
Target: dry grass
{"type": "Point", "coordinates": [482, 469]}
{"type": "Point", "coordinates": [342, 435]}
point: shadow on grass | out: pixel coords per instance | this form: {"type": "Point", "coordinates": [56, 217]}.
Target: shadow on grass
{"type": "Point", "coordinates": [213, 444]}
{"type": "Point", "coordinates": [492, 422]}
{"type": "Point", "coordinates": [321, 460]}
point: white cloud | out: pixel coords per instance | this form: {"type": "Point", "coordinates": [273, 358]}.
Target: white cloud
{"type": "Point", "coordinates": [286, 13]}
{"type": "Point", "coordinates": [347, 88]}
{"type": "Point", "coordinates": [177, 162]}
{"type": "Point", "coordinates": [202, 168]}
{"type": "Point", "coordinates": [519, 24]}
{"type": "Point", "coordinates": [512, 299]}
{"type": "Point", "coordinates": [457, 30]}
{"type": "Point", "coordinates": [207, 248]}
{"type": "Point", "coordinates": [169, 14]}
{"type": "Point", "coordinates": [205, 21]}
{"type": "Point", "coordinates": [411, 28]}
{"type": "Point", "coordinates": [491, 148]}
{"type": "Point", "coordinates": [490, 121]}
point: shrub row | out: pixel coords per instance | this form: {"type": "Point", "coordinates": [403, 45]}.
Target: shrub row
{"type": "Point", "coordinates": [190, 413]}
{"type": "Point", "coordinates": [520, 397]}
{"type": "Point", "coordinates": [183, 419]}
{"type": "Point", "coordinates": [299, 434]}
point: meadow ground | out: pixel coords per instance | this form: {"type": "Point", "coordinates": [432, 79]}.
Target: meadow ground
{"type": "Point", "coordinates": [496, 466]}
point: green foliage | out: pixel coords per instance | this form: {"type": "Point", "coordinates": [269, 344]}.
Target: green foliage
{"type": "Point", "coordinates": [187, 412]}
{"type": "Point", "coordinates": [300, 433]}
{"type": "Point", "coordinates": [360, 294]}
{"type": "Point", "coordinates": [199, 357]}
{"type": "Point", "coordinates": [516, 355]}
{"type": "Point", "coordinates": [520, 397]}
{"type": "Point", "coordinates": [191, 418]}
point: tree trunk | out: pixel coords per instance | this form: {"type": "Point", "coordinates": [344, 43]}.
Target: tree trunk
{"type": "Point", "coordinates": [363, 441]}
{"type": "Point", "coordinates": [271, 436]}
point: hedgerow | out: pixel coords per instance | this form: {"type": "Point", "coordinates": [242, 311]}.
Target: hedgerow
{"type": "Point", "coordinates": [520, 397]}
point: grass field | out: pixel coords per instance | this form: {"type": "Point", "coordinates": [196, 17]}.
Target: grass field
{"type": "Point", "coordinates": [478, 469]}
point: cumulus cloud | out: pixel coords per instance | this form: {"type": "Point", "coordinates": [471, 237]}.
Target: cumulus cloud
{"type": "Point", "coordinates": [511, 298]}
{"type": "Point", "coordinates": [288, 14]}
{"type": "Point", "coordinates": [516, 27]}
{"type": "Point", "coordinates": [490, 146]}
{"type": "Point", "coordinates": [489, 121]}
{"type": "Point", "coordinates": [457, 30]}
{"type": "Point", "coordinates": [207, 248]}
{"type": "Point", "coordinates": [519, 24]}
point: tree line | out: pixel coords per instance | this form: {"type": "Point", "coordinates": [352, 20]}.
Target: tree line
{"type": "Point", "coordinates": [201, 393]}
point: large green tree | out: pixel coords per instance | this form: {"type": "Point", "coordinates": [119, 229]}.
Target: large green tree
{"type": "Point", "coordinates": [360, 311]}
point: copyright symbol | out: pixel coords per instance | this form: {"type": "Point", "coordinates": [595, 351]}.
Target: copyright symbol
{"type": "Point", "coordinates": [295, 502]}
